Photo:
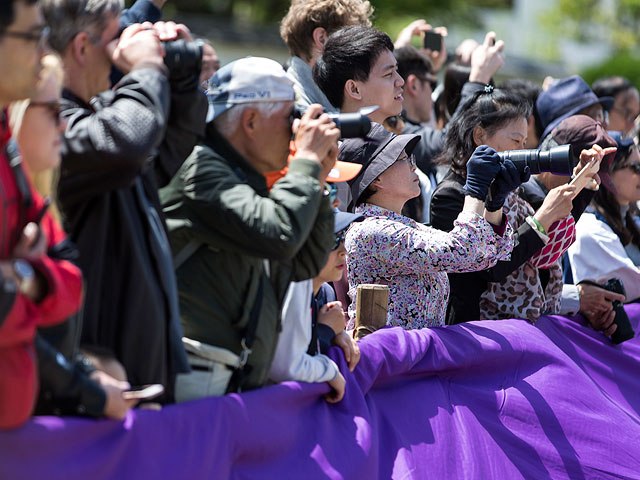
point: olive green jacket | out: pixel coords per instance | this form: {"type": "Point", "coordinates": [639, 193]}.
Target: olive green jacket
{"type": "Point", "coordinates": [221, 201]}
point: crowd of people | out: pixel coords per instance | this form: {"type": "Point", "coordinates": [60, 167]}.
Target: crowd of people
{"type": "Point", "coordinates": [169, 221]}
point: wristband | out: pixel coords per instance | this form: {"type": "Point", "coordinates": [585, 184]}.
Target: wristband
{"type": "Point", "coordinates": [539, 226]}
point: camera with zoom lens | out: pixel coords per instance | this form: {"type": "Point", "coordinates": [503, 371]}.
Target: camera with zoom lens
{"type": "Point", "coordinates": [182, 58]}
{"type": "Point", "coordinates": [351, 125]}
{"type": "Point", "coordinates": [559, 160]}
{"type": "Point", "coordinates": [624, 331]}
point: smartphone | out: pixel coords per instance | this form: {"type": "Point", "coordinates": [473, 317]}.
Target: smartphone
{"type": "Point", "coordinates": [584, 177]}
{"type": "Point", "coordinates": [145, 392]}
{"type": "Point", "coordinates": [432, 41]}
{"type": "Point", "coordinates": [43, 210]}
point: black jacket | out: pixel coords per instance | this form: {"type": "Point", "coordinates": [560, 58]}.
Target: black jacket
{"type": "Point", "coordinates": [116, 152]}
{"type": "Point", "coordinates": [466, 288]}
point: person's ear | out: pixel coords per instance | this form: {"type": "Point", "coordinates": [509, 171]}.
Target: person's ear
{"type": "Point", "coordinates": [352, 90]}
{"type": "Point", "coordinates": [319, 35]}
{"type": "Point", "coordinates": [249, 121]}
{"type": "Point", "coordinates": [376, 184]}
{"type": "Point", "coordinates": [78, 47]}
{"type": "Point", "coordinates": [479, 135]}
{"type": "Point", "coordinates": [411, 84]}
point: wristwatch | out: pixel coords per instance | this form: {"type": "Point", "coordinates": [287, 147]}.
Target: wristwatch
{"type": "Point", "coordinates": [26, 275]}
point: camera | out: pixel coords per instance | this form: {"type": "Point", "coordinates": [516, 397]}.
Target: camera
{"type": "Point", "coordinates": [624, 331]}
{"type": "Point", "coordinates": [351, 125]}
{"type": "Point", "coordinates": [559, 160]}
{"type": "Point", "coordinates": [182, 58]}
{"type": "Point", "coordinates": [432, 41]}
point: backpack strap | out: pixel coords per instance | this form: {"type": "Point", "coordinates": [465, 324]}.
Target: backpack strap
{"type": "Point", "coordinates": [243, 369]}
{"type": "Point", "coordinates": [186, 252]}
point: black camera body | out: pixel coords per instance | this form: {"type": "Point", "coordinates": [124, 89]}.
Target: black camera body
{"type": "Point", "coordinates": [351, 125]}
{"type": "Point", "coordinates": [559, 160]}
{"type": "Point", "coordinates": [624, 331]}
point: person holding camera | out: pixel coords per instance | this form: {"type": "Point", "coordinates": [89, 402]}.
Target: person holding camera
{"type": "Point", "coordinates": [530, 282]}
{"type": "Point", "coordinates": [409, 257]}
{"type": "Point", "coordinates": [237, 245]}
{"type": "Point", "coordinates": [119, 145]}
{"type": "Point", "coordinates": [608, 234]}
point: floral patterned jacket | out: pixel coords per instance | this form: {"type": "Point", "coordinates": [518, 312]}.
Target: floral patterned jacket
{"type": "Point", "coordinates": [413, 260]}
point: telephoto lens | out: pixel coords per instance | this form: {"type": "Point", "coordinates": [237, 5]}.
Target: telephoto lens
{"type": "Point", "coordinates": [559, 160]}
{"type": "Point", "coordinates": [351, 125]}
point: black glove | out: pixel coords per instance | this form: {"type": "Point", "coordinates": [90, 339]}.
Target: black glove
{"type": "Point", "coordinates": [482, 168]}
{"type": "Point", "coordinates": [508, 179]}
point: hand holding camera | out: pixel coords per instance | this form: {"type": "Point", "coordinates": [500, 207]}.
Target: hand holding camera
{"type": "Point", "coordinates": [316, 138]}
{"type": "Point", "coordinates": [482, 168]}
{"type": "Point", "coordinates": [508, 179]}
{"type": "Point", "coordinates": [623, 330]}
{"type": "Point", "coordinates": [432, 41]}
{"type": "Point", "coordinates": [137, 43]}
{"type": "Point", "coordinates": [486, 59]}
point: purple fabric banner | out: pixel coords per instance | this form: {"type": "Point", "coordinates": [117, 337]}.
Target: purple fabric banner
{"type": "Point", "coordinates": [483, 400]}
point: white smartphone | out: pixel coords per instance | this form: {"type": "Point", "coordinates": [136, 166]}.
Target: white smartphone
{"type": "Point", "coordinates": [145, 392]}
{"type": "Point", "coordinates": [584, 177]}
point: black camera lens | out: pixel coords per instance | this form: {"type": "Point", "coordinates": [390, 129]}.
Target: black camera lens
{"type": "Point", "coordinates": [351, 125]}
{"type": "Point", "coordinates": [559, 160]}
{"type": "Point", "coordinates": [182, 58]}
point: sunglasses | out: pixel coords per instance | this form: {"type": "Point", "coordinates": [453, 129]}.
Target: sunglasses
{"type": "Point", "coordinates": [52, 106]}
{"type": "Point", "coordinates": [338, 238]}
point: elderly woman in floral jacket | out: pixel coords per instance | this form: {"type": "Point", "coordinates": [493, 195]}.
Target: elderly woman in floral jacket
{"type": "Point", "coordinates": [412, 259]}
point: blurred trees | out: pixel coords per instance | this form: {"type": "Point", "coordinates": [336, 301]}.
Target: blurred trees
{"type": "Point", "coordinates": [616, 22]}
{"type": "Point", "coordinates": [271, 11]}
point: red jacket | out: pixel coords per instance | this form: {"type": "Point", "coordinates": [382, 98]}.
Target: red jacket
{"type": "Point", "coordinates": [18, 372]}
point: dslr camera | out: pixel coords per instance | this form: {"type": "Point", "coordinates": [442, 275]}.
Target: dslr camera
{"type": "Point", "coordinates": [351, 125]}
{"type": "Point", "coordinates": [559, 160]}
{"type": "Point", "coordinates": [624, 331]}
{"type": "Point", "coordinates": [182, 58]}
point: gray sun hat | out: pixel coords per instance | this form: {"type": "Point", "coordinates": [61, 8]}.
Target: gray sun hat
{"type": "Point", "coordinates": [376, 152]}
{"type": "Point", "coordinates": [343, 219]}
{"type": "Point", "coordinates": [248, 80]}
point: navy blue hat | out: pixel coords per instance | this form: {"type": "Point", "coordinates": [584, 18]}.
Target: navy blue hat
{"type": "Point", "coordinates": [624, 144]}
{"type": "Point", "coordinates": [564, 98]}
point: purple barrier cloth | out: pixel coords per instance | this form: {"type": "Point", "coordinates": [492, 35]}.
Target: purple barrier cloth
{"type": "Point", "coordinates": [485, 400]}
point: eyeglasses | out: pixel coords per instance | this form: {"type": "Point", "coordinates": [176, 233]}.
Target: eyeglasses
{"type": "Point", "coordinates": [627, 114]}
{"type": "Point", "coordinates": [338, 238]}
{"type": "Point", "coordinates": [40, 37]}
{"type": "Point", "coordinates": [634, 167]}
{"type": "Point", "coordinates": [602, 116]}
{"type": "Point", "coordinates": [411, 160]}
{"type": "Point", "coordinates": [52, 106]}
{"type": "Point", "coordinates": [430, 79]}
